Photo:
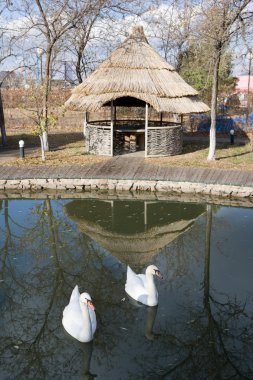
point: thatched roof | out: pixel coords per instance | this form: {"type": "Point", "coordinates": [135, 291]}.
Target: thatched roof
{"type": "Point", "coordinates": [136, 70]}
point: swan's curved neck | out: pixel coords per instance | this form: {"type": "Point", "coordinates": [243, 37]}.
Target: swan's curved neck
{"type": "Point", "coordinates": [151, 288]}
{"type": "Point", "coordinates": [86, 317]}
{"type": "Point", "coordinates": [150, 281]}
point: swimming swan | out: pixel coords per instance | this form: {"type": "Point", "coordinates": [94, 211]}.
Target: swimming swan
{"type": "Point", "coordinates": [142, 287]}
{"type": "Point", "coordinates": [79, 318]}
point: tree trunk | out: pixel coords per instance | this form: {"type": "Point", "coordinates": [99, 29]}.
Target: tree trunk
{"type": "Point", "coordinates": [46, 89]}
{"type": "Point", "coordinates": [212, 141]}
{"type": "Point", "coordinates": [2, 123]}
{"type": "Point", "coordinates": [43, 156]}
{"type": "Point", "coordinates": [78, 65]}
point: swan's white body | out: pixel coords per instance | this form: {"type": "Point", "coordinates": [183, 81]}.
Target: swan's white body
{"type": "Point", "coordinates": [79, 318]}
{"type": "Point", "coordinates": [142, 287]}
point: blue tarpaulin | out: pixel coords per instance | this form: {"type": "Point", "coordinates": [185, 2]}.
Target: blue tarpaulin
{"type": "Point", "coordinates": [224, 123]}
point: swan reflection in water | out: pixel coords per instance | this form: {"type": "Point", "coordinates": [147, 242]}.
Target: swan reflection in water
{"type": "Point", "coordinates": [151, 316]}
{"type": "Point", "coordinates": [87, 349]}
{"type": "Point", "coordinates": [82, 356]}
{"type": "Point", "coordinates": [151, 312]}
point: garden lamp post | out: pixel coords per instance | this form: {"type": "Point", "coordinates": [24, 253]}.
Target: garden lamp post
{"type": "Point", "coordinates": [21, 144]}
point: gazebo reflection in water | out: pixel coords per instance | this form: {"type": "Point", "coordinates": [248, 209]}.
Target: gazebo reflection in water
{"type": "Point", "coordinates": [133, 231]}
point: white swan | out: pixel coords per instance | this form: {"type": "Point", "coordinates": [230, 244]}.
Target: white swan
{"type": "Point", "coordinates": [142, 287]}
{"type": "Point", "coordinates": [79, 318]}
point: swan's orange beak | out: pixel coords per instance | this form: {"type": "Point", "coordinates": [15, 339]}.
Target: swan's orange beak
{"type": "Point", "coordinates": [90, 304]}
{"type": "Point", "coordinates": [158, 274]}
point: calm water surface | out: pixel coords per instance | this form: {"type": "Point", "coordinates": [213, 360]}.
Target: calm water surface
{"type": "Point", "coordinates": [202, 327]}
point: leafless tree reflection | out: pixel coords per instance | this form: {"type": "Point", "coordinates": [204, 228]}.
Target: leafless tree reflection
{"type": "Point", "coordinates": [217, 341]}
{"type": "Point", "coordinates": [37, 284]}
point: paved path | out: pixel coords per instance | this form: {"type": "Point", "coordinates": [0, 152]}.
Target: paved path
{"type": "Point", "coordinates": [130, 168]}
{"type": "Point", "coordinates": [7, 155]}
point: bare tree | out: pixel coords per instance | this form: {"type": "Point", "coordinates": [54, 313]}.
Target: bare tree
{"type": "Point", "coordinates": [2, 57]}
{"type": "Point", "coordinates": [215, 23]}
{"type": "Point", "coordinates": [170, 27]}
{"type": "Point", "coordinates": [54, 21]}
{"type": "Point", "coordinates": [50, 21]}
{"type": "Point", "coordinates": [221, 20]}
{"type": "Point", "coordinates": [93, 29]}
{"type": "Point", "coordinates": [81, 37]}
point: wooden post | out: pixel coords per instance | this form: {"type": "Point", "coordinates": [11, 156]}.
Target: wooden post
{"type": "Point", "coordinates": [114, 115]}
{"type": "Point", "coordinates": [181, 120]}
{"type": "Point", "coordinates": [161, 118]}
{"type": "Point", "coordinates": [175, 118]}
{"type": "Point", "coordinates": [85, 124]}
{"type": "Point", "coordinates": [112, 124]}
{"type": "Point", "coordinates": [146, 130]}
{"type": "Point", "coordinates": [86, 132]}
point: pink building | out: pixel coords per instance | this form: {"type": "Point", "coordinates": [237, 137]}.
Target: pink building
{"type": "Point", "coordinates": [242, 84]}
{"type": "Point", "coordinates": [241, 88]}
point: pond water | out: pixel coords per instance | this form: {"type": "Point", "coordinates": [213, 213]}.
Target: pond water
{"type": "Point", "coordinates": [202, 327]}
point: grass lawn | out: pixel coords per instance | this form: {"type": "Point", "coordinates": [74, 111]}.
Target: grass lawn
{"type": "Point", "coordinates": [65, 148]}
{"type": "Point", "coordinates": [227, 156]}
{"type": "Point", "coordinates": [68, 148]}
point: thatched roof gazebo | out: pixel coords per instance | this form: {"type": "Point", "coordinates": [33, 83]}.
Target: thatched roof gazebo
{"type": "Point", "coordinates": [135, 76]}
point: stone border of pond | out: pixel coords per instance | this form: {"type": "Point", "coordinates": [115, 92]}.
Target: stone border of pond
{"type": "Point", "coordinates": [84, 185]}
{"type": "Point", "coordinates": [109, 195]}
